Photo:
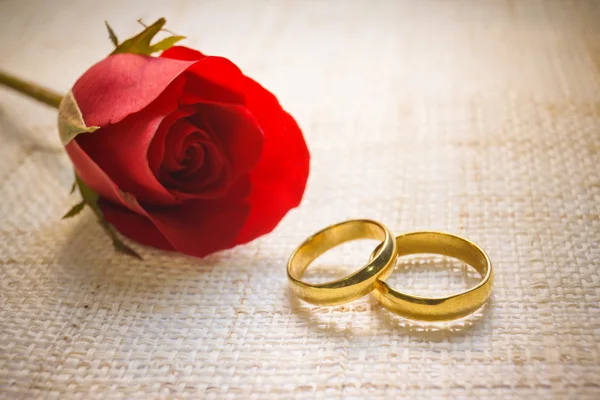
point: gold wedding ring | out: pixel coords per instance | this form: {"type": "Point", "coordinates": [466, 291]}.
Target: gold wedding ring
{"type": "Point", "coordinates": [444, 308]}
{"type": "Point", "coordinates": [352, 286]}
{"type": "Point", "coordinates": [371, 278]}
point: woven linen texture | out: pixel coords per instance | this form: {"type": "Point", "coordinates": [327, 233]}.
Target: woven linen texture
{"type": "Point", "coordinates": [476, 118]}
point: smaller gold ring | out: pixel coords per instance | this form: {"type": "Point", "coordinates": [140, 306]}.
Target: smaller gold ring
{"type": "Point", "coordinates": [352, 286]}
{"type": "Point", "coordinates": [444, 308]}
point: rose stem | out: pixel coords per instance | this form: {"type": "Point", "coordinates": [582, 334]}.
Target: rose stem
{"type": "Point", "coordinates": [30, 89]}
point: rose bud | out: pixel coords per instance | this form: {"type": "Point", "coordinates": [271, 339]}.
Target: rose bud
{"type": "Point", "coordinates": [183, 151]}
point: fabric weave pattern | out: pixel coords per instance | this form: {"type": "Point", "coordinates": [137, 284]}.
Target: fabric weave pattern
{"type": "Point", "coordinates": [476, 118]}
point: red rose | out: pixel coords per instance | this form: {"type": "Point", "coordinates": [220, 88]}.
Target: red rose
{"type": "Point", "coordinates": [190, 154]}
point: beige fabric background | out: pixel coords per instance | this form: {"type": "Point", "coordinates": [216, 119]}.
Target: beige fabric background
{"type": "Point", "coordinates": [480, 118]}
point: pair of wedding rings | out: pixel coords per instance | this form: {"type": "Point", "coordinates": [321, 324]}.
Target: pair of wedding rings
{"type": "Point", "coordinates": [371, 278]}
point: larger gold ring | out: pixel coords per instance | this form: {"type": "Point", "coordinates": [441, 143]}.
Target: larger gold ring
{"type": "Point", "coordinates": [353, 286]}
{"type": "Point", "coordinates": [445, 308]}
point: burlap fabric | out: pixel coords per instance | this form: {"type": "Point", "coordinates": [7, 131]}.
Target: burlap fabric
{"type": "Point", "coordinates": [480, 118]}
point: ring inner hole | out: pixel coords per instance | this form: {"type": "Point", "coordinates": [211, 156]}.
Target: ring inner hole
{"type": "Point", "coordinates": [432, 275]}
{"type": "Point", "coordinates": [340, 261]}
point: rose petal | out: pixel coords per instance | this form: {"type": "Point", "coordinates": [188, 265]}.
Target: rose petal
{"type": "Point", "coordinates": [93, 176]}
{"type": "Point", "coordinates": [201, 227]}
{"type": "Point", "coordinates": [137, 227]}
{"type": "Point", "coordinates": [223, 90]}
{"type": "Point", "coordinates": [182, 134]}
{"type": "Point", "coordinates": [213, 79]}
{"type": "Point", "coordinates": [238, 132]}
{"type": "Point", "coordinates": [121, 150]}
{"type": "Point", "coordinates": [196, 228]}
{"type": "Point", "coordinates": [156, 151]}
{"type": "Point", "coordinates": [119, 210]}
{"type": "Point", "coordinates": [123, 84]}
{"type": "Point", "coordinates": [182, 53]}
{"type": "Point", "coordinates": [279, 179]}
{"type": "Point", "coordinates": [211, 181]}
{"type": "Point", "coordinates": [233, 128]}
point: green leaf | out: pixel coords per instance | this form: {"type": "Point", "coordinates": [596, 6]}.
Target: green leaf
{"type": "Point", "coordinates": [73, 187]}
{"type": "Point", "coordinates": [124, 249]}
{"type": "Point", "coordinates": [76, 209]}
{"type": "Point", "coordinates": [89, 196]}
{"type": "Point", "coordinates": [91, 199]}
{"type": "Point", "coordinates": [140, 44]}
{"type": "Point", "coordinates": [141, 22]}
{"type": "Point", "coordinates": [70, 120]}
{"type": "Point", "coordinates": [166, 43]}
{"type": "Point", "coordinates": [112, 35]}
